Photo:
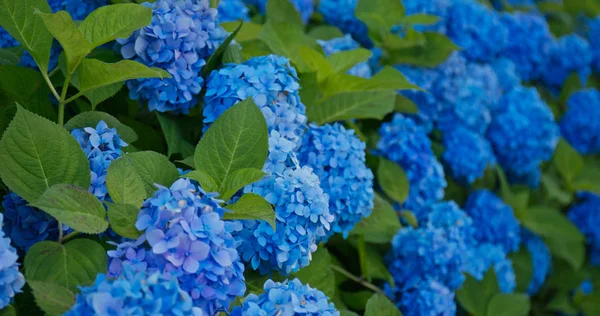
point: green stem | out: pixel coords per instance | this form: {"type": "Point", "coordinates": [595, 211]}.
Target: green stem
{"type": "Point", "coordinates": [53, 72]}
{"type": "Point", "coordinates": [60, 231]}
{"type": "Point", "coordinates": [69, 236]}
{"type": "Point", "coordinates": [73, 98]}
{"type": "Point", "coordinates": [357, 279]}
{"type": "Point", "coordinates": [61, 104]}
{"type": "Point", "coordinates": [45, 75]}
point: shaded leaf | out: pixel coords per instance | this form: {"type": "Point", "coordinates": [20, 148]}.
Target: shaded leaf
{"type": "Point", "coordinates": [393, 180]}
{"type": "Point", "coordinates": [381, 225]}
{"type": "Point", "coordinates": [509, 305]}
{"type": "Point", "coordinates": [175, 140]}
{"type": "Point", "coordinates": [217, 57]}
{"type": "Point", "coordinates": [379, 305]}
{"type": "Point", "coordinates": [251, 206]}
{"type": "Point", "coordinates": [122, 218]}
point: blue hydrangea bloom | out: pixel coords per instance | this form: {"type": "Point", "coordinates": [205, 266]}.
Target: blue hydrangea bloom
{"type": "Point", "coordinates": [186, 238]}
{"type": "Point", "coordinates": [467, 154]}
{"type": "Point", "coordinates": [134, 293]}
{"type": "Point", "coordinates": [528, 44]}
{"type": "Point", "coordinates": [182, 35]}
{"type": "Point", "coordinates": [586, 216]}
{"type": "Point", "coordinates": [586, 287]}
{"type": "Point", "coordinates": [406, 143]}
{"type": "Point", "coordinates": [485, 256]}
{"type": "Point", "coordinates": [232, 10]}
{"type": "Point", "coordinates": [345, 43]}
{"type": "Point", "coordinates": [429, 107]}
{"type": "Point", "coordinates": [11, 280]}
{"type": "Point", "coordinates": [477, 29]}
{"type": "Point", "coordinates": [26, 225]}
{"type": "Point", "coordinates": [568, 54]}
{"type": "Point", "coordinates": [340, 13]}
{"type": "Point", "coordinates": [593, 36]}
{"type": "Point", "coordinates": [102, 145]}
{"type": "Point", "coordinates": [452, 219]}
{"type": "Point", "coordinates": [423, 297]}
{"type": "Point", "coordinates": [540, 258]}
{"type": "Point", "coordinates": [302, 217]}
{"type": "Point", "coordinates": [305, 7]}
{"type": "Point", "coordinates": [579, 125]}
{"type": "Point", "coordinates": [523, 132]}
{"type": "Point", "coordinates": [338, 158]}
{"type": "Point", "coordinates": [507, 74]}
{"type": "Point", "coordinates": [290, 297]}
{"type": "Point", "coordinates": [79, 9]}
{"type": "Point", "coordinates": [493, 220]}
{"type": "Point", "coordinates": [438, 8]}
{"type": "Point", "coordinates": [6, 40]}
{"type": "Point", "coordinates": [531, 179]}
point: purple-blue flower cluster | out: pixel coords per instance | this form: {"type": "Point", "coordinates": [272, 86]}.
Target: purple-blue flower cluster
{"type": "Point", "coordinates": [340, 44]}
{"type": "Point", "coordinates": [338, 158]}
{"type": "Point", "coordinates": [586, 216]}
{"type": "Point", "coordinates": [6, 40]}
{"type": "Point", "coordinates": [593, 36]}
{"type": "Point", "coordinates": [541, 259]}
{"type": "Point", "coordinates": [482, 257]}
{"type": "Point", "coordinates": [11, 280]}
{"type": "Point", "coordinates": [467, 154]}
{"type": "Point", "coordinates": [568, 54]}
{"type": "Point", "coordinates": [304, 7]}
{"type": "Point", "coordinates": [79, 9]}
{"type": "Point", "coordinates": [182, 35]}
{"type": "Point", "coordinates": [290, 297]}
{"type": "Point", "coordinates": [439, 8]}
{"type": "Point", "coordinates": [232, 10]}
{"type": "Point", "coordinates": [134, 293]}
{"type": "Point", "coordinates": [340, 13]}
{"type": "Point", "coordinates": [579, 125]}
{"type": "Point", "coordinates": [423, 297]}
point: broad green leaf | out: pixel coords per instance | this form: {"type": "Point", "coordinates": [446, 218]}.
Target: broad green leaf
{"type": "Point", "coordinates": [590, 304]}
{"type": "Point", "coordinates": [249, 30]}
{"type": "Point", "coordinates": [554, 192]}
{"type": "Point", "coordinates": [420, 19]}
{"type": "Point", "coordinates": [53, 299]}
{"type": "Point", "coordinates": [509, 305]}
{"type": "Point", "coordinates": [27, 87]}
{"type": "Point", "coordinates": [410, 218]}
{"type": "Point", "coordinates": [110, 22]}
{"type": "Point", "coordinates": [344, 60]}
{"type": "Point", "coordinates": [75, 207]}
{"type": "Point", "coordinates": [379, 15]}
{"type": "Point", "coordinates": [189, 161]}
{"type": "Point", "coordinates": [239, 179]}
{"type": "Point", "coordinates": [18, 18]}
{"type": "Point", "coordinates": [318, 273]}
{"type": "Point", "coordinates": [8, 311]}
{"type": "Point", "coordinates": [251, 206]}
{"type": "Point", "coordinates": [571, 85]}
{"type": "Point", "coordinates": [71, 265]}
{"type": "Point", "coordinates": [349, 105]}
{"type": "Point", "coordinates": [11, 55]}
{"type": "Point", "coordinates": [379, 305]}
{"type": "Point", "coordinates": [233, 54]}
{"type": "Point", "coordinates": [474, 295]}
{"type": "Point", "coordinates": [376, 268]}
{"type": "Point", "coordinates": [311, 93]}
{"type": "Point", "coordinates": [236, 140]}
{"type": "Point", "coordinates": [217, 57]}
{"type": "Point", "coordinates": [436, 49]}
{"type": "Point", "coordinates": [325, 32]}
{"type": "Point", "coordinates": [562, 302]}
{"type": "Point", "coordinates": [99, 95]}
{"type": "Point", "coordinates": [568, 161]}
{"type": "Point", "coordinates": [283, 11]}
{"type": "Point", "coordinates": [32, 162]}
{"type": "Point", "coordinates": [405, 105]}
{"type": "Point", "coordinates": [381, 226]}
{"type": "Point", "coordinates": [175, 141]}
{"type": "Point", "coordinates": [75, 45]}
{"type": "Point", "coordinates": [124, 183]}
{"type": "Point", "coordinates": [385, 80]}
{"type": "Point", "coordinates": [122, 218]}
{"type": "Point", "coordinates": [285, 39]}
{"type": "Point", "coordinates": [315, 62]}
{"type": "Point", "coordinates": [152, 167]}
{"type": "Point", "coordinates": [571, 251]}
{"type": "Point", "coordinates": [393, 180]}
{"type": "Point", "coordinates": [356, 300]}
{"type": "Point", "coordinates": [523, 267]}
{"type": "Point", "coordinates": [91, 119]}
{"type": "Point", "coordinates": [390, 78]}
{"type": "Point", "coordinates": [204, 179]}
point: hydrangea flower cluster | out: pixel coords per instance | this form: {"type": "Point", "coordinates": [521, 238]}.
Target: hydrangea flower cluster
{"type": "Point", "coordinates": [485, 256]}
{"type": "Point", "coordinates": [6, 40]}
{"type": "Point", "coordinates": [182, 35]}
{"type": "Point", "coordinates": [540, 257]}
{"type": "Point", "coordinates": [467, 154]}
{"type": "Point", "coordinates": [423, 297]}
{"type": "Point", "coordinates": [405, 142]}
{"type": "Point", "coordinates": [102, 145]}
{"type": "Point", "coordinates": [305, 7]}
{"type": "Point", "coordinates": [579, 125]}
{"type": "Point", "coordinates": [593, 36]}
{"type": "Point", "coordinates": [286, 298]}
{"type": "Point", "coordinates": [11, 280]}
{"type": "Point", "coordinates": [232, 10]}
{"type": "Point", "coordinates": [439, 8]}
{"type": "Point", "coordinates": [568, 54]}
{"type": "Point", "coordinates": [134, 293]}
{"type": "Point", "coordinates": [338, 158]}
{"type": "Point", "coordinates": [340, 13]}
{"type": "Point", "coordinates": [345, 43]}
{"type": "Point", "coordinates": [187, 239]}
{"type": "Point", "coordinates": [586, 216]}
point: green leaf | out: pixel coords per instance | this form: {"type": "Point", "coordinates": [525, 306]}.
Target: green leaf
{"type": "Point", "coordinates": [122, 218]}
{"type": "Point", "coordinates": [319, 273]}
{"type": "Point", "coordinates": [405, 105]}
{"type": "Point", "coordinates": [11, 55]}
{"type": "Point", "coordinates": [233, 54]}
{"type": "Point", "coordinates": [251, 206]}
{"type": "Point", "coordinates": [17, 17]}
{"type": "Point", "coordinates": [236, 140]}
{"type": "Point", "coordinates": [8, 311]}
{"type": "Point", "coordinates": [151, 167]}
{"type": "Point", "coordinates": [562, 302]}
{"type": "Point", "coordinates": [315, 62]}
{"type": "Point", "coordinates": [509, 305]}
{"type": "Point", "coordinates": [376, 268]}
{"type": "Point", "coordinates": [125, 184]}
{"type": "Point", "coordinates": [379, 15]}
{"type": "Point", "coordinates": [239, 179]}
{"type": "Point", "coordinates": [75, 207]}
{"type": "Point", "coordinates": [393, 180]}
{"type": "Point", "coordinates": [344, 60]}
{"type": "Point", "coordinates": [350, 105]}
{"type": "Point", "coordinates": [386, 79]}
{"type": "Point", "coordinates": [590, 304]}
{"type": "Point", "coordinates": [285, 39]}
{"type": "Point", "coordinates": [379, 305]}
{"type": "Point", "coordinates": [175, 140]}
{"type": "Point", "coordinates": [381, 226]}
{"type": "Point", "coordinates": [436, 49]}
{"type": "Point", "coordinates": [474, 296]}
{"type": "Point", "coordinates": [75, 45]}
{"type": "Point", "coordinates": [523, 267]}
{"type": "Point", "coordinates": [91, 119]}
{"type": "Point", "coordinates": [110, 22]}
{"type": "Point", "coordinates": [99, 95]}
{"type": "Point", "coordinates": [32, 162]}
{"type": "Point", "coordinates": [26, 87]}
{"type": "Point", "coordinates": [217, 57]}
{"type": "Point", "coordinates": [554, 192]}
{"type": "Point", "coordinates": [325, 32]}
{"type": "Point", "coordinates": [204, 179]}
{"type": "Point", "coordinates": [248, 32]}
{"type": "Point", "coordinates": [571, 85]}
{"type": "Point", "coordinates": [420, 19]}
{"type": "Point", "coordinates": [283, 11]}
{"type": "Point", "coordinates": [53, 299]}
{"type": "Point", "coordinates": [568, 161]}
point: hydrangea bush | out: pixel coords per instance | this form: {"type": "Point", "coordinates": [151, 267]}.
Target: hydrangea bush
{"type": "Point", "coordinates": [299, 157]}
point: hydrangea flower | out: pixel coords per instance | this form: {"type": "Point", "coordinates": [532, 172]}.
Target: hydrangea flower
{"type": "Point", "coordinates": [493, 220]}
{"type": "Point", "coordinates": [286, 298]}
{"type": "Point", "coordinates": [528, 44]}
{"type": "Point", "coordinates": [182, 35]}
{"type": "Point", "coordinates": [405, 143]}
{"type": "Point", "coordinates": [438, 8]}
{"type": "Point", "coordinates": [79, 9]}
{"type": "Point", "coordinates": [506, 73]}
{"type": "Point", "coordinates": [340, 44]}
{"type": "Point", "coordinates": [134, 293]}
{"type": "Point", "coordinates": [569, 54]}
{"type": "Point", "coordinates": [338, 158]}
{"type": "Point", "coordinates": [523, 132]}
{"type": "Point", "coordinates": [340, 13]}
{"type": "Point", "coordinates": [540, 258]}
{"type": "Point", "coordinates": [186, 238]}
{"type": "Point", "coordinates": [429, 107]}
{"type": "Point", "coordinates": [593, 36]}
{"type": "Point", "coordinates": [467, 154]}
{"type": "Point", "coordinates": [579, 125]}
{"type": "Point", "coordinates": [425, 296]}
{"type": "Point", "coordinates": [302, 217]}
{"type": "Point", "coordinates": [485, 256]}
{"type": "Point", "coordinates": [232, 10]}
{"type": "Point", "coordinates": [102, 145]}
{"type": "Point", "coordinates": [6, 40]}
{"type": "Point", "coordinates": [305, 7]}
{"type": "Point", "coordinates": [11, 280]}
{"type": "Point", "coordinates": [477, 30]}
{"type": "Point", "coordinates": [586, 216]}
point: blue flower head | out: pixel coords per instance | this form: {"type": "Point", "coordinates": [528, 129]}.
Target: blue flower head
{"type": "Point", "coordinates": [102, 145]}
{"type": "Point", "coordinates": [6, 40]}
{"type": "Point", "coordinates": [493, 220]}
{"type": "Point", "coordinates": [305, 7]}
{"type": "Point", "coordinates": [477, 30]}
{"type": "Point", "coordinates": [302, 218]}
{"type": "Point", "coordinates": [425, 296]}
{"type": "Point", "coordinates": [586, 216]}
{"type": "Point", "coordinates": [569, 54]}
{"type": "Point", "coordinates": [405, 143]}
{"type": "Point", "coordinates": [531, 179]}
{"type": "Point", "coordinates": [467, 154]}
{"type": "Point", "coordinates": [232, 10]}
{"type": "Point", "coordinates": [290, 297]}
{"type": "Point", "coordinates": [79, 9]}
{"type": "Point", "coordinates": [439, 8]}
{"type": "Point", "coordinates": [579, 125]}
{"type": "Point", "coordinates": [182, 35]}
{"type": "Point", "coordinates": [429, 107]}
{"type": "Point", "coordinates": [11, 280]}
{"type": "Point", "coordinates": [593, 36]}
{"type": "Point", "coordinates": [340, 13]}
{"type": "Point", "coordinates": [338, 158]}
{"type": "Point", "coordinates": [523, 132]}
{"type": "Point", "coordinates": [528, 44]}
{"type": "Point", "coordinates": [340, 44]}
{"type": "Point", "coordinates": [448, 216]}
{"type": "Point", "coordinates": [485, 256]}
{"type": "Point", "coordinates": [134, 293]}
{"type": "Point", "coordinates": [507, 74]}
{"type": "Point", "coordinates": [540, 258]}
